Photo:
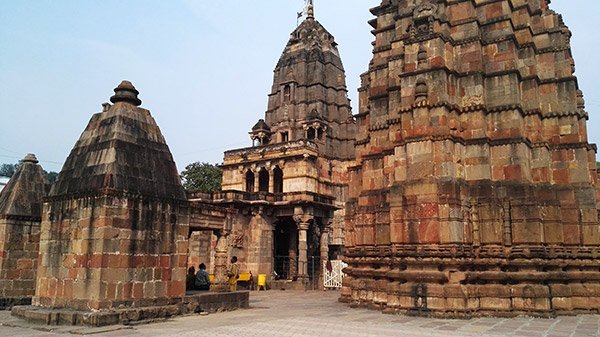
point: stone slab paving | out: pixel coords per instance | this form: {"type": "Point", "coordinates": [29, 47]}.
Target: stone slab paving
{"type": "Point", "coordinates": [317, 313]}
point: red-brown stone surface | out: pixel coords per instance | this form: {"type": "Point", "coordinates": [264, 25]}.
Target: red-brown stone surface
{"type": "Point", "coordinates": [20, 217]}
{"type": "Point", "coordinates": [474, 188]}
{"type": "Point", "coordinates": [115, 225]}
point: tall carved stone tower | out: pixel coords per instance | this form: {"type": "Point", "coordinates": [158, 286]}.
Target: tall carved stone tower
{"type": "Point", "coordinates": [20, 218]}
{"type": "Point", "coordinates": [291, 186]}
{"type": "Point", "coordinates": [309, 98]}
{"type": "Point", "coordinates": [115, 225]}
{"type": "Point", "coordinates": [474, 191]}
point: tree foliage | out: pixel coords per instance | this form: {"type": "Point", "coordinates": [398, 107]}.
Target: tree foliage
{"type": "Point", "coordinates": [8, 170]}
{"type": "Point", "coordinates": [202, 177]}
{"type": "Point", "coordinates": [51, 176]}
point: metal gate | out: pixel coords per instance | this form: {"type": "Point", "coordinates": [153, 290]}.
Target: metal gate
{"type": "Point", "coordinates": [333, 278]}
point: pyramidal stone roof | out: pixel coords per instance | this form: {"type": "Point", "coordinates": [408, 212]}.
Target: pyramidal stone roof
{"type": "Point", "coordinates": [310, 41]}
{"type": "Point", "coordinates": [24, 193]}
{"type": "Point", "coordinates": [121, 150]}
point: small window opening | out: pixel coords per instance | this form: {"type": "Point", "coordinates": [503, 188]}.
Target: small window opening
{"type": "Point", "coordinates": [250, 181]}
{"type": "Point", "coordinates": [263, 180]}
{"type": "Point", "coordinates": [277, 180]}
{"type": "Point", "coordinates": [287, 93]}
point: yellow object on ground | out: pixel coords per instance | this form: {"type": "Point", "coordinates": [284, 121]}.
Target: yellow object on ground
{"type": "Point", "coordinates": [262, 281]}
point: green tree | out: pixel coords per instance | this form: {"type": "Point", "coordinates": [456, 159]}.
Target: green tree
{"type": "Point", "coordinates": [203, 177]}
{"type": "Point", "coordinates": [8, 170]}
{"type": "Point", "coordinates": [51, 176]}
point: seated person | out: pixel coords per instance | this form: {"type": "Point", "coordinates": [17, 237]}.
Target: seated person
{"type": "Point", "coordinates": [202, 280]}
{"type": "Point", "coordinates": [190, 280]}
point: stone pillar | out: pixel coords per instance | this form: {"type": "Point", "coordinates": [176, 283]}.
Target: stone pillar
{"type": "Point", "coordinates": [271, 180]}
{"type": "Point", "coordinates": [302, 249]}
{"type": "Point", "coordinates": [293, 255]}
{"type": "Point", "coordinates": [324, 254]}
{"type": "Point", "coordinates": [221, 260]}
{"type": "Point", "coordinates": [256, 180]}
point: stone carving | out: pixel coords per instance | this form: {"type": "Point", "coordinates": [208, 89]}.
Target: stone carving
{"type": "Point", "coordinates": [474, 100]}
{"type": "Point", "coordinates": [425, 10]}
{"type": "Point", "coordinates": [237, 240]}
{"type": "Point", "coordinates": [488, 227]}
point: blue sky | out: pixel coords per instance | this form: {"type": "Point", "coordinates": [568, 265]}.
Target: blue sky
{"type": "Point", "coordinates": [203, 68]}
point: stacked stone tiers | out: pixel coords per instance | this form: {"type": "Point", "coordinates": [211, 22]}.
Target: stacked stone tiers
{"type": "Point", "coordinates": [20, 217]}
{"type": "Point", "coordinates": [475, 188]}
{"type": "Point", "coordinates": [115, 226]}
{"type": "Point", "coordinates": [309, 90]}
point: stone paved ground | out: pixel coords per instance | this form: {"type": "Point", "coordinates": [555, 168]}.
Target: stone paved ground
{"type": "Point", "coordinates": [295, 313]}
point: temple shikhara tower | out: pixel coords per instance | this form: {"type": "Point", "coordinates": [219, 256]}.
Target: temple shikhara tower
{"type": "Point", "coordinates": [290, 187]}
{"type": "Point", "coordinates": [20, 218]}
{"type": "Point", "coordinates": [474, 191]}
{"type": "Point", "coordinates": [115, 224]}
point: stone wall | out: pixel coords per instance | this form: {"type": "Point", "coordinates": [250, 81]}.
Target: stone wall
{"type": "Point", "coordinates": [108, 251]}
{"type": "Point", "coordinates": [19, 246]}
{"type": "Point", "coordinates": [201, 250]}
{"type": "Point", "coordinates": [475, 188]}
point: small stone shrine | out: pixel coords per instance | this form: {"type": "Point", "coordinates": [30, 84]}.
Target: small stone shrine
{"type": "Point", "coordinates": [20, 218]}
{"type": "Point", "coordinates": [114, 226]}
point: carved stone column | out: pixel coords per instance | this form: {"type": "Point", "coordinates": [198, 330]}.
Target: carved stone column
{"type": "Point", "coordinates": [293, 255]}
{"type": "Point", "coordinates": [271, 179]}
{"type": "Point", "coordinates": [302, 250]}
{"type": "Point", "coordinates": [257, 181]}
{"type": "Point", "coordinates": [221, 258]}
{"type": "Point", "coordinates": [324, 254]}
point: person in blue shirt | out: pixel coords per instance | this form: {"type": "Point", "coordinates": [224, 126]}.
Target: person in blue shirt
{"type": "Point", "coordinates": [202, 278]}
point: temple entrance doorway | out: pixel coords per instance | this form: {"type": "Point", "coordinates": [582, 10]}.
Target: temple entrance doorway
{"type": "Point", "coordinates": [285, 249]}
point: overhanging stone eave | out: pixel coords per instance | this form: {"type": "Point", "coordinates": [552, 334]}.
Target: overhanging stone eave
{"type": "Point", "coordinates": [248, 155]}
{"type": "Point", "coordinates": [109, 192]}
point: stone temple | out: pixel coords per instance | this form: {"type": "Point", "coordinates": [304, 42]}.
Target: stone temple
{"type": "Point", "coordinates": [474, 190]}
{"type": "Point", "coordinates": [115, 227]}
{"type": "Point", "coordinates": [464, 186]}
{"type": "Point", "coordinates": [289, 188]}
{"type": "Point", "coordinates": [20, 220]}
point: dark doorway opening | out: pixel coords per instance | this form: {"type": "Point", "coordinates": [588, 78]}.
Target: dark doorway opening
{"type": "Point", "coordinates": [277, 180]}
{"type": "Point", "coordinates": [263, 180]}
{"type": "Point", "coordinates": [250, 181]}
{"type": "Point", "coordinates": [285, 246]}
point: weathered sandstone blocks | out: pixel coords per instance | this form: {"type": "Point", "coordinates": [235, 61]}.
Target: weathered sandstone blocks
{"type": "Point", "coordinates": [473, 167]}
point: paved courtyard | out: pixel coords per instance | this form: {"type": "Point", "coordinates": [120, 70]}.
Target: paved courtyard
{"type": "Point", "coordinates": [317, 313]}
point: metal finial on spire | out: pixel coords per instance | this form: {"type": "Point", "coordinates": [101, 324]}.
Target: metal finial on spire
{"type": "Point", "coordinates": [310, 9]}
